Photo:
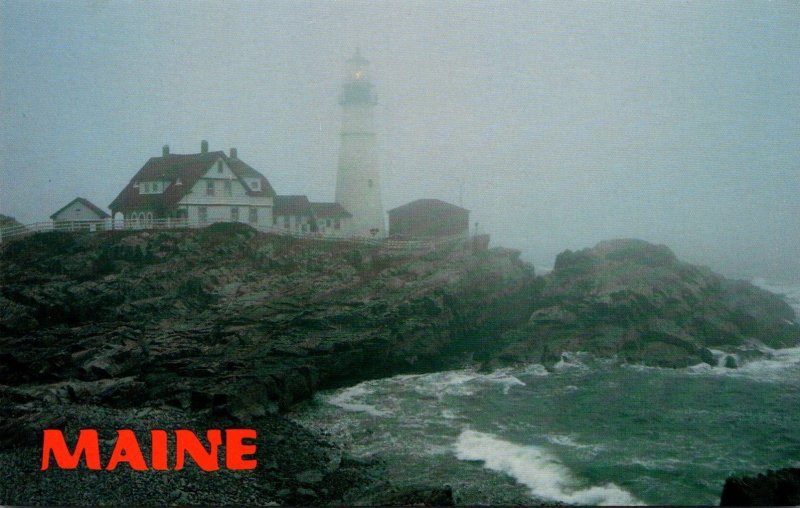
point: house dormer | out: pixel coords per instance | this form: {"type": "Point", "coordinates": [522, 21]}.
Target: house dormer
{"type": "Point", "coordinates": [152, 186]}
{"type": "Point", "coordinates": [219, 170]}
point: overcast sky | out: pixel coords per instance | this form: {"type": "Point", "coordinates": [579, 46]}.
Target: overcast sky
{"type": "Point", "coordinates": [567, 122]}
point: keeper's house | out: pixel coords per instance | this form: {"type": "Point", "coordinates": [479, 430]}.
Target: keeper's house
{"type": "Point", "coordinates": [428, 219]}
{"type": "Point", "coordinates": [79, 214]}
{"type": "Point", "coordinates": [201, 188]}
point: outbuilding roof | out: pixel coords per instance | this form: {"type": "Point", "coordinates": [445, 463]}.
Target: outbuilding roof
{"type": "Point", "coordinates": [85, 202]}
{"type": "Point", "coordinates": [329, 211]}
{"type": "Point", "coordinates": [291, 205]}
{"type": "Point", "coordinates": [427, 205]}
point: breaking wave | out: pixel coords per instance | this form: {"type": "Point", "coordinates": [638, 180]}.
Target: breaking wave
{"type": "Point", "coordinates": [372, 397]}
{"type": "Point", "coordinates": [779, 365]}
{"type": "Point", "coordinates": [457, 382]}
{"type": "Point", "coordinates": [346, 399]}
{"type": "Point", "coordinates": [541, 472]}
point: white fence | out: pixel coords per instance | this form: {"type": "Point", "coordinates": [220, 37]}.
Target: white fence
{"type": "Point", "coordinates": [90, 226]}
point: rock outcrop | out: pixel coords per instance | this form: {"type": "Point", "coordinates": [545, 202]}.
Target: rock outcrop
{"type": "Point", "coordinates": [226, 326]}
{"type": "Point", "coordinates": [636, 301]}
{"type": "Point", "coordinates": [775, 488]}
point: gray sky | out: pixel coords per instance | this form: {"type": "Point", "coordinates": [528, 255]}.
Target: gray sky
{"type": "Point", "coordinates": [568, 122]}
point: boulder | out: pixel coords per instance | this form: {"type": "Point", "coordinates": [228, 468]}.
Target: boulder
{"type": "Point", "coordinates": [775, 488]}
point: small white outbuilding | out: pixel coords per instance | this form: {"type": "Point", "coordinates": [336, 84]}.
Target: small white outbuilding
{"type": "Point", "coordinates": [80, 214]}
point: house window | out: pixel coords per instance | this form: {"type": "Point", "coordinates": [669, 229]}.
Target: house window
{"type": "Point", "coordinates": [253, 216]}
{"type": "Point", "coordinates": [202, 214]}
{"type": "Point", "coordinates": [286, 222]}
{"type": "Point", "coordinates": [210, 188]}
{"type": "Point", "coordinates": [255, 185]}
{"type": "Point", "coordinates": [219, 166]}
{"type": "Point", "coordinates": [336, 224]}
{"type": "Point", "coordinates": [228, 188]}
{"type": "Point", "coordinates": [235, 214]}
{"type": "Point", "coordinates": [274, 220]}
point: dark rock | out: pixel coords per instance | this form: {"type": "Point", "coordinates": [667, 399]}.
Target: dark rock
{"type": "Point", "coordinates": [775, 488]}
{"type": "Point", "coordinates": [730, 362]}
{"type": "Point", "coordinates": [413, 495]}
{"type": "Point", "coordinates": [306, 493]}
{"type": "Point", "coordinates": [310, 477]}
{"type": "Point", "coordinates": [707, 357]}
{"type": "Point", "coordinates": [636, 252]}
{"type": "Point", "coordinates": [348, 460]}
{"type": "Point", "coordinates": [123, 392]}
{"type": "Point", "coordinates": [637, 301]}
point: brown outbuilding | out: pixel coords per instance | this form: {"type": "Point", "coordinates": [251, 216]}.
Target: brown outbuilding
{"type": "Point", "coordinates": [428, 218]}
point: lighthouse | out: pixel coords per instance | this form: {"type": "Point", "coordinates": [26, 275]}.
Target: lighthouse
{"type": "Point", "coordinates": [358, 184]}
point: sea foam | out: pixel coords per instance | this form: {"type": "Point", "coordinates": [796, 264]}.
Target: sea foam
{"type": "Point", "coordinates": [541, 472]}
{"type": "Point", "coordinates": [346, 399]}
{"type": "Point", "coordinates": [778, 366]}
{"type": "Point", "coordinates": [462, 383]}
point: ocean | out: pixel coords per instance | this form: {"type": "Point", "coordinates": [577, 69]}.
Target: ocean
{"type": "Point", "coordinates": [591, 431]}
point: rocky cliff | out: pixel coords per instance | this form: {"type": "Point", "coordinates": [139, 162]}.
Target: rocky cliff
{"type": "Point", "coordinates": [636, 301]}
{"type": "Point", "coordinates": [225, 326]}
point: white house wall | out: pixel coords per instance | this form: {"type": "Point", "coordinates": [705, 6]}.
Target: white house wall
{"type": "Point", "coordinates": [296, 223]}
{"type": "Point", "coordinates": [237, 196]}
{"type": "Point", "coordinates": [223, 214]}
{"type": "Point", "coordinates": [344, 227]}
{"type": "Point", "coordinates": [219, 205]}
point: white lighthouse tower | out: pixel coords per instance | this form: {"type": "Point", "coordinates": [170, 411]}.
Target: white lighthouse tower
{"type": "Point", "coordinates": [358, 184]}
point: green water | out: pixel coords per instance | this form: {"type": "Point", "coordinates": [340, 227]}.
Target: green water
{"type": "Point", "coordinates": [591, 432]}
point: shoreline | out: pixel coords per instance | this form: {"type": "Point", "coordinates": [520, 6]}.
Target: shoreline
{"type": "Point", "coordinates": [228, 326]}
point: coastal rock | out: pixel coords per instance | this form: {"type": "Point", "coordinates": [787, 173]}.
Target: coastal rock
{"type": "Point", "coordinates": [411, 495]}
{"type": "Point", "coordinates": [775, 488]}
{"type": "Point", "coordinates": [310, 477]}
{"type": "Point", "coordinates": [638, 302]}
{"type": "Point", "coordinates": [228, 326]}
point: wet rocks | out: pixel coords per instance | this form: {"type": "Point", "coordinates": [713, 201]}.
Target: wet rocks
{"type": "Point", "coordinates": [230, 325]}
{"type": "Point", "coordinates": [637, 301]}
{"type": "Point", "coordinates": [775, 488]}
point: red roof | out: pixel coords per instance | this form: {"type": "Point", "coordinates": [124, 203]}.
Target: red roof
{"type": "Point", "coordinates": [291, 205]}
{"type": "Point", "coordinates": [427, 205]}
{"type": "Point", "coordinates": [187, 169]}
{"type": "Point", "coordinates": [85, 202]}
{"type": "Point", "coordinates": [329, 211]}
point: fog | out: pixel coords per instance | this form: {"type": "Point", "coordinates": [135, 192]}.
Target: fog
{"type": "Point", "coordinates": [558, 124]}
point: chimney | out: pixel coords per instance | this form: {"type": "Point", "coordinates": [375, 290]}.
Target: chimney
{"type": "Point", "coordinates": [234, 153]}
{"type": "Point", "coordinates": [165, 150]}
{"type": "Point", "coordinates": [204, 146]}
